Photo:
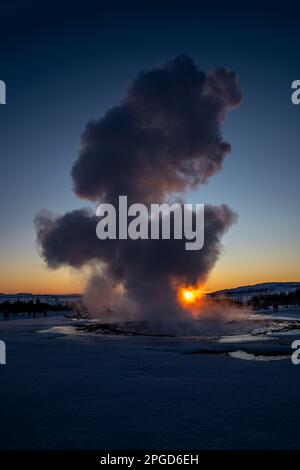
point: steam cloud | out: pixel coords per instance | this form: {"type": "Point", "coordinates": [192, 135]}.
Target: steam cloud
{"type": "Point", "coordinates": [163, 139]}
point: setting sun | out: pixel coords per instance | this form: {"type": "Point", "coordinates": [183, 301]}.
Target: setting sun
{"type": "Point", "coordinates": [190, 296]}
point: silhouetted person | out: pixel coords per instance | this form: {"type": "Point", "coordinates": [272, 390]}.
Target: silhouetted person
{"type": "Point", "coordinates": [6, 315]}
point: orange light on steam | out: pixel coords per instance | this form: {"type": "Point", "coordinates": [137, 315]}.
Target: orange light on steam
{"type": "Point", "coordinates": [190, 296]}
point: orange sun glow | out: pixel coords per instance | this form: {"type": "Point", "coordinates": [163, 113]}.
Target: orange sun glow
{"type": "Point", "coordinates": [190, 296]}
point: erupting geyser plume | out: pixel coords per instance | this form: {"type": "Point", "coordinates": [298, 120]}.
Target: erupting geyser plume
{"type": "Point", "coordinates": [162, 139]}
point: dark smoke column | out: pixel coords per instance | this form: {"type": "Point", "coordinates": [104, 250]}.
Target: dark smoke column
{"type": "Point", "coordinates": [163, 139]}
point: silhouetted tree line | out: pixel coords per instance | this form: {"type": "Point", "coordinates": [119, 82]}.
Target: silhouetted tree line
{"type": "Point", "coordinates": [267, 300]}
{"type": "Point", "coordinates": [30, 307]}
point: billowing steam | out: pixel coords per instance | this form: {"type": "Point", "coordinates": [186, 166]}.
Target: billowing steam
{"type": "Point", "coordinates": [163, 139]}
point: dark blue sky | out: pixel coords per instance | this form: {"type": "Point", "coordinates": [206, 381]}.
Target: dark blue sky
{"type": "Point", "coordinates": [64, 64]}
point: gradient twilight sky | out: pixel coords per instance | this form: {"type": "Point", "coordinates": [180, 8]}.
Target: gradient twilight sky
{"type": "Point", "coordinates": [64, 65]}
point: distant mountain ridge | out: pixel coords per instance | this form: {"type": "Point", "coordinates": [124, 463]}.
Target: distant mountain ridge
{"type": "Point", "coordinates": [261, 288]}
{"type": "Point", "coordinates": [248, 290]}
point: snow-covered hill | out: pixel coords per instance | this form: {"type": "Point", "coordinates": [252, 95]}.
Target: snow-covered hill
{"type": "Point", "coordinates": [262, 288]}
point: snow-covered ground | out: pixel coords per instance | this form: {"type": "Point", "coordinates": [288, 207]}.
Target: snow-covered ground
{"type": "Point", "coordinates": [66, 389]}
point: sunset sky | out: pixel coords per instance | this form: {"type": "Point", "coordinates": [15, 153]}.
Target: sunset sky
{"type": "Point", "coordinates": [63, 68]}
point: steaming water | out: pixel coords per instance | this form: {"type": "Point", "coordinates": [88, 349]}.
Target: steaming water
{"type": "Point", "coordinates": [243, 336]}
